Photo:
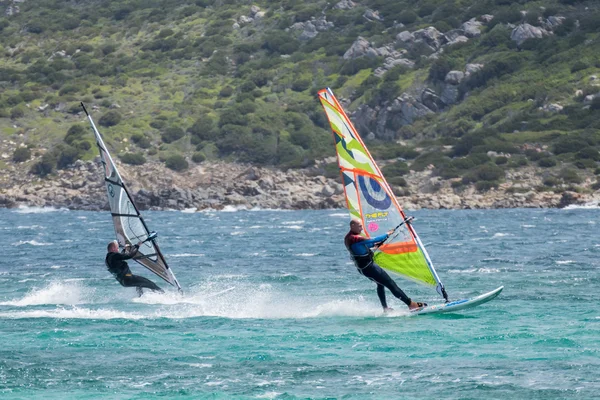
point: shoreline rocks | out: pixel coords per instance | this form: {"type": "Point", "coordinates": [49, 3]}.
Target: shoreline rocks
{"type": "Point", "coordinates": [218, 185]}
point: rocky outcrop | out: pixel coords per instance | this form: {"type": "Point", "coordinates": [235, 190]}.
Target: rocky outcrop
{"type": "Point", "coordinates": [525, 31]}
{"type": "Point", "coordinates": [345, 5]}
{"type": "Point", "coordinates": [311, 28]}
{"type": "Point", "coordinates": [219, 185]}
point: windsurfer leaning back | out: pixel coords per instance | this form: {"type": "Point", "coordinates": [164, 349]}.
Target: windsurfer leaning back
{"type": "Point", "coordinates": [360, 250]}
{"type": "Point", "coordinates": [115, 262]}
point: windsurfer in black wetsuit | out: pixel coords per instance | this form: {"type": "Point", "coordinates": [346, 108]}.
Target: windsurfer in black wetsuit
{"type": "Point", "coordinates": [115, 262]}
{"type": "Point", "coordinates": [360, 250]}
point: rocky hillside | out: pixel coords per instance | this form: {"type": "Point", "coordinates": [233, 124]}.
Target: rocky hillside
{"type": "Point", "coordinates": [471, 93]}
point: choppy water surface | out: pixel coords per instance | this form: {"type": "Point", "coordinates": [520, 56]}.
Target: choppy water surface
{"type": "Point", "coordinates": [273, 308]}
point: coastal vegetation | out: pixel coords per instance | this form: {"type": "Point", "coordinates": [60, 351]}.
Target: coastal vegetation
{"type": "Point", "coordinates": [185, 82]}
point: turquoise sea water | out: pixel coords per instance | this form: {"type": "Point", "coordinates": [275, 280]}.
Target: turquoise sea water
{"type": "Point", "coordinates": [273, 308]}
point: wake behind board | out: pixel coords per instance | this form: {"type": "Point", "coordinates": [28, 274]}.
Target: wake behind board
{"type": "Point", "coordinates": [459, 304]}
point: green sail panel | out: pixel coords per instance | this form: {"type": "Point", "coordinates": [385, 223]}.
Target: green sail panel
{"type": "Point", "coordinates": [370, 199]}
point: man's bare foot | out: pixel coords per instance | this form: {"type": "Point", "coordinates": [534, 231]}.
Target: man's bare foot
{"type": "Point", "coordinates": [416, 305]}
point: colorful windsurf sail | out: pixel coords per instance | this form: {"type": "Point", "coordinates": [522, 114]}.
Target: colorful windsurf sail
{"type": "Point", "coordinates": [130, 227]}
{"type": "Point", "coordinates": [370, 199]}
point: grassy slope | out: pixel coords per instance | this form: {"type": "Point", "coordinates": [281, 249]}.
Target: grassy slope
{"type": "Point", "coordinates": [172, 62]}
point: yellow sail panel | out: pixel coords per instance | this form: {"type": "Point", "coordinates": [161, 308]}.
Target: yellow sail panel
{"type": "Point", "coordinates": [370, 199]}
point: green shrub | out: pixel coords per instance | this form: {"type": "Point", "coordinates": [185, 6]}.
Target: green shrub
{"type": "Point", "coordinates": [198, 157]}
{"type": "Point", "coordinates": [172, 134]}
{"type": "Point", "coordinates": [176, 162]}
{"type": "Point", "coordinates": [21, 154]}
{"type": "Point", "coordinates": [17, 112]}
{"type": "Point", "coordinates": [551, 181]}
{"type": "Point", "coordinates": [398, 168]}
{"type": "Point", "coordinates": [547, 162]}
{"type": "Point", "coordinates": [66, 155]}
{"type": "Point", "coordinates": [227, 91]}
{"type": "Point", "coordinates": [578, 66]}
{"type": "Point", "coordinates": [570, 176]}
{"type": "Point", "coordinates": [489, 172]}
{"type": "Point", "coordinates": [158, 124]}
{"type": "Point", "coordinates": [407, 17]}
{"type": "Point", "coordinates": [111, 118]}
{"type": "Point", "coordinates": [45, 166]}
{"type": "Point", "coordinates": [585, 164]}
{"type": "Point", "coordinates": [589, 153]}
{"type": "Point", "coordinates": [300, 85]}
{"type": "Point", "coordinates": [501, 160]}
{"type": "Point", "coordinates": [133, 158]}
{"type": "Point", "coordinates": [484, 186]}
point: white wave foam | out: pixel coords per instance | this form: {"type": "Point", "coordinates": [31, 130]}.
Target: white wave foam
{"type": "Point", "coordinates": [189, 210]}
{"type": "Point", "coordinates": [293, 222]}
{"type": "Point", "coordinates": [502, 234]}
{"type": "Point", "coordinates": [56, 266]}
{"type": "Point", "coordinates": [38, 210]}
{"type": "Point", "coordinates": [587, 206]}
{"type": "Point", "coordinates": [31, 227]}
{"type": "Point", "coordinates": [237, 233]}
{"type": "Point", "coordinates": [31, 242]}
{"type": "Point", "coordinates": [305, 255]}
{"type": "Point", "coordinates": [562, 262]}
{"type": "Point", "coordinates": [214, 299]}
{"type": "Point", "coordinates": [269, 395]}
{"type": "Point", "coordinates": [74, 313]}
{"type": "Point", "coordinates": [293, 227]}
{"type": "Point", "coordinates": [528, 226]}
{"type": "Point", "coordinates": [187, 255]}
{"type": "Point", "coordinates": [476, 270]}
{"type": "Point", "coordinates": [54, 293]}
{"type": "Point", "coordinates": [339, 215]}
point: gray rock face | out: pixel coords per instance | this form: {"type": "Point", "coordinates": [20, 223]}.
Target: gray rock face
{"type": "Point", "coordinates": [372, 15]}
{"type": "Point", "coordinates": [472, 28]}
{"type": "Point", "coordinates": [472, 68]}
{"type": "Point", "coordinates": [405, 37]}
{"type": "Point", "coordinates": [454, 77]}
{"type": "Point", "coordinates": [311, 28]}
{"type": "Point", "coordinates": [409, 108]}
{"type": "Point", "coordinates": [449, 94]}
{"type": "Point", "coordinates": [430, 36]}
{"type": "Point", "coordinates": [345, 5]}
{"type": "Point", "coordinates": [554, 22]}
{"type": "Point", "coordinates": [486, 18]}
{"type": "Point", "coordinates": [360, 48]}
{"type": "Point", "coordinates": [525, 31]}
{"type": "Point", "coordinates": [431, 100]}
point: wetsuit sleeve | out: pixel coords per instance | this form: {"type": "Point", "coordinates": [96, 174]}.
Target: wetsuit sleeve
{"type": "Point", "coordinates": [127, 256]}
{"type": "Point", "coordinates": [373, 241]}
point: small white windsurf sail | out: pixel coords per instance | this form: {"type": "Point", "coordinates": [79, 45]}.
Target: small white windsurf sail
{"type": "Point", "coordinates": [370, 199]}
{"type": "Point", "coordinates": [129, 224]}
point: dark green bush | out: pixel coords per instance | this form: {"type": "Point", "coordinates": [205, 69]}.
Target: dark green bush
{"type": "Point", "coordinates": [484, 186]}
{"type": "Point", "coordinates": [589, 153]}
{"type": "Point", "coordinates": [398, 168]}
{"type": "Point", "coordinates": [66, 155]}
{"type": "Point", "coordinates": [501, 160]}
{"type": "Point", "coordinates": [570, 176]}
{"type": "Point", "coordinates": [176, 162]}
{"type": "Point", "coordinates": [172, 134]}
{"type": "Point", "coordinates": [17, 112]}
{"type": "Point", "coordinates": [198, 157]}
{"type": "Point", "coordinates": [226, 91]}
{"type": "Point", "coordinates": [21, 154]}
{"type": "Point", "coordinates": [133, 158]}
{"type": "Point", "coordinates": [45, 166]}
{"type": "Point", "coordinates": [489, 172]}
{"type": "Point", "coordinates": [111, 118]}
{"type": "Point", "coordinates": [547, 162]}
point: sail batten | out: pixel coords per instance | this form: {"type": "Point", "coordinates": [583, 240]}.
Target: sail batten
{"type": "Point", "coordinates": [370, 199]}
{"type": "Point", "coordinates": [130, 227]}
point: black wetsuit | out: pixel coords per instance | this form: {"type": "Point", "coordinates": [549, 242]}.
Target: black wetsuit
{"type": "Point", "coordinates": [360, 250]}
{"type": "Point", "coordinates": [115, 262]}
